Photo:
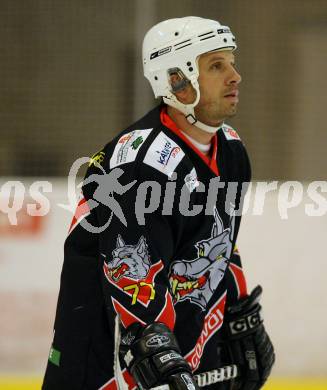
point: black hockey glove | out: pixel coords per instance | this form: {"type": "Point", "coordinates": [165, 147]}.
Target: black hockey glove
{"type": "Point", "coordinates": [153, 357]}
{"type": "Point", "coordinates": [248, 343]}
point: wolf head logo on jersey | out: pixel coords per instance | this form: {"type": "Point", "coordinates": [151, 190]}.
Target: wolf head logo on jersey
{"type": "Point", "coordinates": [197, 279]}
{"type": "Point", "coordinates": [130, 271]}
{"type": "Point", "coordinates": [131, 261]}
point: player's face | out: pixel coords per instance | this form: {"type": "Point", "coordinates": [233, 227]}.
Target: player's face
{"type": "Point", "coordinates": [218, 82]}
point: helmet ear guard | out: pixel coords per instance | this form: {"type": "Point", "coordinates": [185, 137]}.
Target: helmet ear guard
{"type": "Point", "coordinates": [170, 52]}
{"type": "Point", "coordinates": [178, 82]}
{"type": "Point", "coordinates": [186, 109]}
{"type": "Point", "coordinates": [177, 79]}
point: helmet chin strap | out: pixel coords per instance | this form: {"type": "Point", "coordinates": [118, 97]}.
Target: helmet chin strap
{"type": "Point", "coordinates": [209, 129]}
{"type": "Point", "coordinates": [188, 109]}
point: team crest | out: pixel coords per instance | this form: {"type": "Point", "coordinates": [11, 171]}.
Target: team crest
{"type": "Point", "coordinates": [197, 279]}
{"type": "Point", "coordinates": [130, 270]}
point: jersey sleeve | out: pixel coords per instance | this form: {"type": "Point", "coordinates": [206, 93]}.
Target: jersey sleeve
{"type": "Point", "coordinates": [236, 281]}
{"type": "Point", "coordinates": [136, 245]}
{"type": "Point", "coordinates": [80, 302]}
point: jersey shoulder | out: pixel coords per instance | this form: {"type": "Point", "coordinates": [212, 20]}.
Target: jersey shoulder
{"type": "Point", "coordinates": [235, 154]}
{"type": "Point", "coordinates": [126, 147]}
{"type": "Point", "coordinates": [230, 134]}
{"type": "Point", "coordinates": [129, 145]}
{"type": "Point", "coordinates": [149, 147]}
{"type": "Point", "coordinates": [143, 149]}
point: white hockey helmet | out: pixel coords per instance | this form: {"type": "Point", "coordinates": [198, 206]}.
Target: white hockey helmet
{"type": "Point", "coordinates": [172, 47]}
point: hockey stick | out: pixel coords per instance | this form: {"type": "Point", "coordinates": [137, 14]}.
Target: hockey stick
{"type": "Point", "coordinates": [211, 377]}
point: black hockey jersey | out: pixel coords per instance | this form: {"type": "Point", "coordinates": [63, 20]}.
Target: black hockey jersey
{"type": "Point", "coordinates": [153, 239]}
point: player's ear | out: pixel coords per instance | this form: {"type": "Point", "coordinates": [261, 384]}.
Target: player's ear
{"type": "Point", "coordinates": [186, 95]}
{"type": "Point", "coordinates": [181, 86]}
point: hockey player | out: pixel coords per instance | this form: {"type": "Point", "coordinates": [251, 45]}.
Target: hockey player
{"type": "Point", "coordinates": [152, 288]}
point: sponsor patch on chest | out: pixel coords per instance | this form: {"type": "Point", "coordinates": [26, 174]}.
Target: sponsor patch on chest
{"type": "Point", "coordinates": [164, 154]}
{"type": "Point", "coordinates": [128, 147]}
{"type": "Point", "coordinates": [230, 133]}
